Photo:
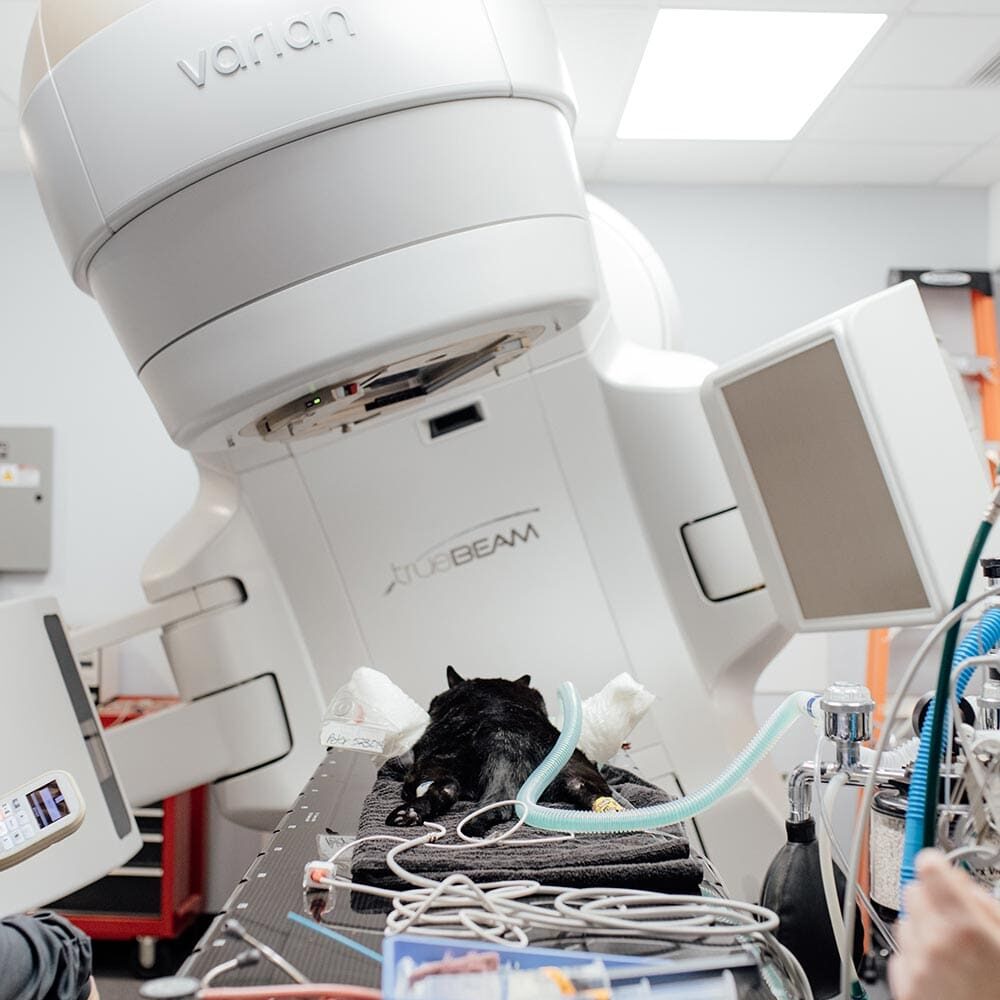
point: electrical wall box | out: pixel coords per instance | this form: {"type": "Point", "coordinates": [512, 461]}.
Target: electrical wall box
{"type": "Point", "coordinates": [25, 499]}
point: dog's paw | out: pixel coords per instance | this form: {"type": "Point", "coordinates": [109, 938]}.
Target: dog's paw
{"type": "Point", "coordinates": [403, 815]}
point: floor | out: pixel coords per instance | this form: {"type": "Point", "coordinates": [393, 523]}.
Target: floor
{"type": "Point", "coordinates": [118, 989]}
{"type": "Point", "coordinates": [115, 963]}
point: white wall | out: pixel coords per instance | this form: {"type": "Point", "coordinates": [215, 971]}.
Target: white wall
{"type": "Point", "coordinates": [994, 227]}
{"type": "Point", "coordinates": [119, 482]}
{"type": "Point", "coordinates": [752, 263]}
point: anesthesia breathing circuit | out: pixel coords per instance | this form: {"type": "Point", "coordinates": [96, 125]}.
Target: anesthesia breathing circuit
{"type": "Point", "coordinates": [801, 704]}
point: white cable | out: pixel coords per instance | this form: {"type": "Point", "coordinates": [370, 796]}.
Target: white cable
{"type": "Point", "coordinates": [826, 870]}
{"type": "Point", "coordinates": [363, 840]}
{"type": "Point", "coordinates": [790, 967]}
{"type": "Point", "coordinates": [989, 856]}
{"type": "Point", "coordinates": [865, 900]}
{"type": "Point", "coordinates": [503, 912]}
{"type": "Point", "coordinates": [817, 784]}
{"type": "Point", "coordinates": [954, 712]}
{"type": "Point", "coordinates": [956, 709]}
{"type": "Point", "coordinates": [825, 824]}
{"type": "Point", "coordinates": [895, 759]}
{"type": "Point", "coordinates": [992, 660]}
{"type": "Point", "coordinates": [818, 809]}
{"type": "Point", "coordinates": [869, 791]}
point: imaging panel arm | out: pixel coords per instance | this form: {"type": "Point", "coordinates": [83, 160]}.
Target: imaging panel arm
{"type": "Point", "coordinates": [219, 736]}
{"type": "Point", "coordinates": [188, 604]}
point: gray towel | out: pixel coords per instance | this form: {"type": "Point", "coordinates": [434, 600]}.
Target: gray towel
{"type": "Point", "coordinates": [659, 861]}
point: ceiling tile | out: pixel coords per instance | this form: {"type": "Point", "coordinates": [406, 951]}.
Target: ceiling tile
{"type": "Point", "coordinates": [11, 157]}
{"type": "Point", "coordinates": [953, 7]}
{"type": "Point", "coordinates": [823, 6]}
{"type": "Point", "coordinates": [15, 24]}
{"type": "Point", "coordinates": [929, 52]}
{"type": "Point", "coordinates": [691, 162]}
{"type": "Point", "coordinates": [606, 5]}
{"type": "Point", "coordinates": [603, 46]}
{"type": "Point", "coordinates": [925, 116]}
{"type": "Point", "coordinates": [981, 169]}
{"type": "Point", "coordinates": [866, 163]}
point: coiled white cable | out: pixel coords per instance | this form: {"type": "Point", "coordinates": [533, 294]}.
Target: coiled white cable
{"type": "Point", "coordinates": [504, 912]}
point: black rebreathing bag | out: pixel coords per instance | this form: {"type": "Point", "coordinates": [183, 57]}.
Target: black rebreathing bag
{"type": "Point", "coordinates": [793, 888]}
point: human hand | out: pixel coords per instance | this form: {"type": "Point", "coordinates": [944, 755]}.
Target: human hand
{"type": "Point", "coordinates": [949, 941]}
{"type": "Point", "coordinates": [94, 995]}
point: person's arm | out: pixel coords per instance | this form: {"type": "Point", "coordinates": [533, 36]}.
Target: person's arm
{"type": "Point", "coordinates": [949, 941]}
{"type": "Point", "coordinates": [44, 957]}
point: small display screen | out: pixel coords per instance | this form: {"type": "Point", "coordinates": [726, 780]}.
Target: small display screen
{"type": "Point", "coordinates": [48, 804]}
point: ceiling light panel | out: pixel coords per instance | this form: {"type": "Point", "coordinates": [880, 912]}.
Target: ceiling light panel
{"type": "Point", "coordinates": [744, 75]}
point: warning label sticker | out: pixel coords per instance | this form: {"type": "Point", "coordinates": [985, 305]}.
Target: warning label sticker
{"type": "Point", "coordinates": [27, 477]}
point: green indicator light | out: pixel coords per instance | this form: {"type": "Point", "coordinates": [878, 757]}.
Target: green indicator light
{"type": "Point", "coordinates": [317, 401]}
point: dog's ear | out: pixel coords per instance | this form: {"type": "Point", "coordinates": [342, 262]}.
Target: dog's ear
{"type": "Point", "coordinates": [524, 681]}
{"type": "Point", "coordinates": [454, 677]}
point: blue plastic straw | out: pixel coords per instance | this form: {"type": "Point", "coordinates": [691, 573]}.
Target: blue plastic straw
{"type": "Point", "coordinates": [333, 935]}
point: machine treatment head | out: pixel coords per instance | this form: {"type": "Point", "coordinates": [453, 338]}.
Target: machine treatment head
{"type": "Point", "coordinates": [388, 219]}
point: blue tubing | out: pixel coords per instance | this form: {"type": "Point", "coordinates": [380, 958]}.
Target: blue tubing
{"type": "Point", "coordinates": [796, 706]}
{"type": "Point", "coordinates": [983, 637]}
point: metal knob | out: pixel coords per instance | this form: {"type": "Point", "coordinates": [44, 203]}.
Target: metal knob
{"type": "Point", "coordinates": [847, 719]}
{"type": "Point", "coordinates": [989, 706]}
{"type": "Point", "coordinates": [991, 570]}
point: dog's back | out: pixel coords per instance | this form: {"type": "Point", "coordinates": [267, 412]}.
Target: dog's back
{"type": "Point", "coordinates": [484, 739]}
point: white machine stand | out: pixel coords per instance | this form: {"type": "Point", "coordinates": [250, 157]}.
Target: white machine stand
{"type": "Point", "coordinates": [348, 254]}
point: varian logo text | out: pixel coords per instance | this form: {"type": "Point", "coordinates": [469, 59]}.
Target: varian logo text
{"type": "Point", "coordinates": [481, 541]}
{"type": "Point", "coordinates": [301, 31]}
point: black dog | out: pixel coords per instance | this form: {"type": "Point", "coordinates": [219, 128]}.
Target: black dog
{"type": "Point", "coordinates": [484, 738]}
